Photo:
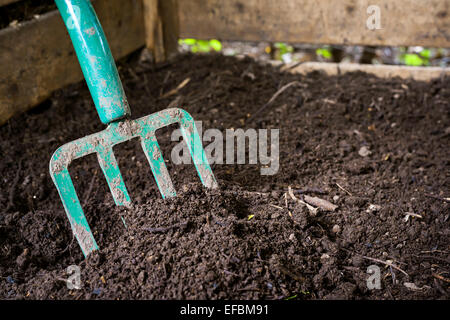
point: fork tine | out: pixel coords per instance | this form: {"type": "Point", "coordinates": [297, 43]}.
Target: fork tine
{"type": "Point", "coordinates": [154, 156]}
{"type": "Point", "coordinates": [78, 222]}
{"type": "Point", "coordinates": [111, 171]}
{"type": "Point", "coordinates": [194, 143]}
{"type": "Point", "coordinates": [102, 144]}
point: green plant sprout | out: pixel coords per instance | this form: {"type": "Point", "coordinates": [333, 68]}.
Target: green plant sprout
{"type": "Point", "coordinates": [421, 58]}
{"type": "Point", "coordinates": [324, 52]}
{"type": "Point", "coordinates": [282, 51]}
{"type": "Point", "coordinates": [204, 46]}
{"type": "Point", "coordinates": [283, 48]}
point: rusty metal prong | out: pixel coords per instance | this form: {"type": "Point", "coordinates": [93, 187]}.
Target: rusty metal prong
{"type": "Point", "coordinates": [111, 171]}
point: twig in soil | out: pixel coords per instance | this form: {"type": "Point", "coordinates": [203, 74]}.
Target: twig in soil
{"type": "Point", "coordinates": [286, 201]}
{"type": "Point", "coordinates": [174, 91]}
{"type": "Point", "coordinates": [284, 88]}
{"type": "Point", "coordinates": [329, 101]}
{"type": "Point", "coordinates": [438, 276]}
{"type": "Point", "coordinates": [438, 198]}
{"type": "Point", "coordinates": [287, 206]}
{"type": "Point", "coordinates": [165, 229]}
{"type": "Point", "coordinates": [79, 296]}
{"type": "Point", "coordinates": [343, 189]}
{"type": "Point", "coordinates": [392, 274]}
{"type": "Point", "coordinates": [433, 251]}
{"type": "Point", "coordinates": [410, 214]}
{"type": "Point", "coordinates": [250, 192]}
{"type": "Point", "coordinates": [257, 193]}
{"type": "Point", "coordinates": [387, 263]}
{"type": "Point", "coordinates": [278, 207]}
{"type": "Point", "coordinates": [69, 245]}
{"type": "Point", "coordinates": [321, 203]}
{"type": "Point", "coordinates": [311, 209]}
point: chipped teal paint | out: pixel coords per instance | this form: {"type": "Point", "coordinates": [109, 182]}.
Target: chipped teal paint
{"type": "Point", "coordinates": [102, 144]}
{"type": "Point", "coordinates": [95, 59]}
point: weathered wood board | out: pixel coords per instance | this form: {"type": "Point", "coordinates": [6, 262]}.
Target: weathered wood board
{"type": "Point", "coordinates": [5, 2]}
{"type": "Point", "coordinates": [161, 28]}
{"type": "Point", "coordinates": [382, 71]}
{"type": "Point", "coordinates": [37, 57]}
{"type": "Point", "coordinates": [402, 22]}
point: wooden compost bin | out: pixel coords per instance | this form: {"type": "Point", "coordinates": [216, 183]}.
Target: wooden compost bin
{"type": "Point", "coordinates": [37, 56]}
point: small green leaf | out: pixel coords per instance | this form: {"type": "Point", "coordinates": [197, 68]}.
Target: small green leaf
{"type": "Point", "coordinates": [324, 52]}
{"type": "Point", "coordinates": [283, 48]}
{"type": "Point", "coordinates": [292, 297]}
{"type": "Point", "coordinates": [412, 59]}
{"type": "Point", "coordinates": [203, 46]}
{"type": "Point", "coordinates": [426, 53]}
{"type": "Point", "coordinates": [251, 216]}
{"type": "Point", "coordinates": [189, 42]}
{"type": "Point", "coordinates": [215, 44]}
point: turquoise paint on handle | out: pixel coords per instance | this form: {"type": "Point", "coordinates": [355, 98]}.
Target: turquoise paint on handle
{"type": "Point", "coordinates": [96, 60]}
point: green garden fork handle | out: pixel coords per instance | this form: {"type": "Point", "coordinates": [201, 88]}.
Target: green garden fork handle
{"type": "Point", "coordinates": [95, 59]}
{"type": "Point", "coordinates": [107, 92]}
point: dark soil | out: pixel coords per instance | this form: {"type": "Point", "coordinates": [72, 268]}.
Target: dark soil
{"type": "Point", "coordinates": [209, 245]}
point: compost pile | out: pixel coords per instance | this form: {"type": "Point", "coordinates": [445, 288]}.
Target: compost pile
{"type": "Point", "coordinates": [378, 149]}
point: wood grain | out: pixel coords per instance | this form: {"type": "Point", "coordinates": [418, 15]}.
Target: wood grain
{"type": "Point", "coordinates": [161, 28]}
{"type": "Point", "coordinates": [403, 22]}
{"type": "Point", "coordinates": [6, 2]}
{"type": "Point", "coordinates": [37, 57]}
{"type": "Point", "coordinates": [382, 71]}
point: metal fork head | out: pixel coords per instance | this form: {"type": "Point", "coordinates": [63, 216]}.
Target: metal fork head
{"type": "Point", "coordinates": [103, 142]}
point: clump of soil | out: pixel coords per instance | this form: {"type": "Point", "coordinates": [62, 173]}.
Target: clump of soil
{"type": "Point", "coordinates": [379, 149]}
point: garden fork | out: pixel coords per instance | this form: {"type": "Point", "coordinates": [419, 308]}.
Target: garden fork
{"type": "Point", "coordinates": [109, 98]}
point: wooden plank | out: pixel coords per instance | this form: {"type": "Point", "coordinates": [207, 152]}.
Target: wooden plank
{"type": "Point", "coordinates": [382, 71]}
{"type": "Point", "coordinates": [37, 57]}
{"type": "Point", "coordinates": [162, 28]}
{"type": "Point", "coordinates": [154, 36]}
{"type": "Point", "coordinates": [171, 28]}
{"type": "Point", "coordinates": [403, 22]}
{"type": "Point", "coordinates": [6, 2]}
